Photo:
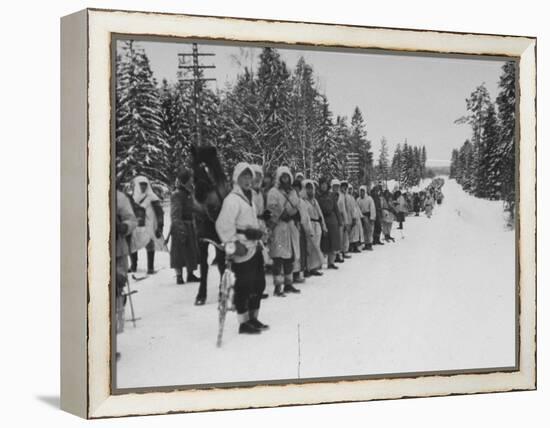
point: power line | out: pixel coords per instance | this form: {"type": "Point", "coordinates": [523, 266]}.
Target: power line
{"type": "Point", "coordinates": [197, 79]}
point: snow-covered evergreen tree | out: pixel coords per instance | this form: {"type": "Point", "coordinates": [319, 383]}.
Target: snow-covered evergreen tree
{"type": "Point", "coordinates": [396, 164]}
{"type": "Point", "coordinates": [273, 86]}
{"type": "Point", "coordinates": [176, 125]}
{"type": "Point", "coordinates": [256, 116]}
{"type": "Point", "coordinates": [424, 159]}
{"type": "Point", "coordinates": [383, 161]}
{"type": "Point", "coordinates": [506, 103]}
{"type": "Point", "coordinates": [477, 105]}
{"type": "Point", "coordinates": [359, 143]}
{"type": "Point", "coordinates": [453, 171]}
{"type": "Point", "coordinates": [490, 187]}
{"type": "Point", "coordinates": [304, 110]}
{"type": "Point", "coordinates": [140, 140]}
{"type": "Point", "coordinates": [417, 166]}
{"type": "Point", "coordinates": [342, 144]}
{"type": "Point", "coordinates": [327, 163]}
{"type": "Point", "coordinates": [486, 166]}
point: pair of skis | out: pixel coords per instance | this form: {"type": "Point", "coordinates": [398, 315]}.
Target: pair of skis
{"type": "Point", "coordinates": [225, 293]}
{"type": "Point", "coordinates": [225, 301]}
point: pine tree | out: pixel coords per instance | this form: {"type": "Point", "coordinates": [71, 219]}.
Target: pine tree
{"type": "Point", "coordinates": [491, 156]}
{"type": "Point", "coordinates": [256, 115]}
{"type": "Point", "coordinates": [383, 161]}
{"type": "Point", "coordinates": [506, 103]}
{"type": "Point", "coordinates": [342, 143]}
{"type": "Point", "coordinates": [326, 160]}
{"type": "Point", "coordinates": [396, 164]}
{"type": "Point", "coordinates": [417, 166]}
{"type": "Point", "coordinates": [361, 145]}
{"type": "Point", "coordinates": [424, 159]}
{"type": "Point", "coordinates": [477, 104]}
{"type": "Point", "coordinates": [466, 168]}
{"type": "Point", "coordinates": [303, 101]}
{"type": "Point", "coordinates": [140, 140]}
{"type": "Point", "coordinates": [454, 169]}
{"type": "Point", "coordinates": [176, 125]}
{"type": "Point", "coordinates": [409, 169]}
{"type": "Point", "coordinates": [242, 125]}
{"type": "Point", "coordinates": [274, 86]}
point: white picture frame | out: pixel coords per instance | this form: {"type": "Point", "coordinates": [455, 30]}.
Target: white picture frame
{"type": "Point", "coordinates": [86, 47]}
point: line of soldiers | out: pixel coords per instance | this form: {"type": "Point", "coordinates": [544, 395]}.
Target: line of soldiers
{"type": "Point", "coordinates": [287, 225]}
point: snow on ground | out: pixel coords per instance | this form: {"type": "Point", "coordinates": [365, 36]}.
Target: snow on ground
{"type": "Point", "coordinates": [442, 298]}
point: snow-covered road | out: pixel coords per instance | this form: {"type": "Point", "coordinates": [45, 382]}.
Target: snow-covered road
{"type": "Point", "coordinates": [442, 298]}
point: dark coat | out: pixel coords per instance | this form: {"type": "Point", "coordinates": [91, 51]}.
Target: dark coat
{"type": "Point", "coordinates": [184, 250]}
{"type": "Point", "coordinates": [331, 241]}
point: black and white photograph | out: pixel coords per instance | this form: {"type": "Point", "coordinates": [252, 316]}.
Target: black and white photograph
{"type": "Point", "coordinates": [297, 213]}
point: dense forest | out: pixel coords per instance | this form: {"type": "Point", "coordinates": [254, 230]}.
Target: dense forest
{"type": "Point", "coordinates": [271, 115]}
{"type": "Point", "coordinates": [485, 164]}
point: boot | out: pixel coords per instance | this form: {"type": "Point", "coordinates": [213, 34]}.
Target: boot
{"type": "Point", "coordinates": [200, 301]}
{"type": "Point", "coordinates": [133, 262]}
{"type": "Point", "coordinates": [332, 266]}
{"type": "Point", "coordinates": [179, 279]}
{"type": "Point", "coordinates": [256, 322]}
{"type": "Point", "coordinates": [289, 288]}
{"type": "Point", "coordinates": [368, 247]}
{"type": "Point", "coordinates": [279, 289]}
{"type": "Point", "coordinates": [151, 262]}
{"type": "Point", "coordinates": [298, 278]}
{"type": "Point", "coordinates": [346, 256]}
{"type": "Point", "coordinates": [315, 272]}
{"type": "Point", "coordinates": [192, 278]}
{"type": "Point", "coordinates": [248, 328]}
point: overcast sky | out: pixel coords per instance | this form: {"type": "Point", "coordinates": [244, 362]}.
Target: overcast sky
{"type": "Point", "coordinates": [402, 97]}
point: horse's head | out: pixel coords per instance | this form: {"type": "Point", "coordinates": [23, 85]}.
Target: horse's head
{"type": "Point", "coordinates": [211, 185]}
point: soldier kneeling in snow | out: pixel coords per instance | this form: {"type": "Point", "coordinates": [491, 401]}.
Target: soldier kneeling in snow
{"type": "Point", "coordinates": [238, 222]}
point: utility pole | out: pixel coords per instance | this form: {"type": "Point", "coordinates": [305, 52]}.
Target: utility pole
{"type": "Point", "coordinates": [197, 79]}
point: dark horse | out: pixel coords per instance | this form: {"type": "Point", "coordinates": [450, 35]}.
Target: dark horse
{"type": "Point", "coordinates": [211, 188]}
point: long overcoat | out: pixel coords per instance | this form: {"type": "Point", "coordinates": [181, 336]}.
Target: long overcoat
{"type": "Point", "coordinates": [329, 207]}
{"type": "Point", "coordinates": [285, 237]}
{"type": "Point", "coordinates": [184, 249]}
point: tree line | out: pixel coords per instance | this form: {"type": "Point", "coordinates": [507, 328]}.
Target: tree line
{"type": "Point", "coordinates": [485, 164]}
{"type": "Point", "coordinates": [270, 115]}
{"type": "Point", "coordinates": [408, 164]}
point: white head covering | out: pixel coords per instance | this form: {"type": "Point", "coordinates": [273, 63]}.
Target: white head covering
{"type": "Point", "coordinates": [280, 171]}
{"type": "Point", "coordinates": [257, 169]}
{"type": "Point", "coordinates": [239, 169]}
{"type": "Point", "coordinates": [298, 175]}
{"type": "Point", "coordinates": [303, 193]}
{"type": "Point", "coordinates": [140, 196]}
{"type": "Point", "coordinates": [334, 181]}
{"type": "Point", "coordinates": [363, 188]}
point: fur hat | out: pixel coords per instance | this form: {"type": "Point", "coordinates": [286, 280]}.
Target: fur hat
{"type": "Point", "coordinates": [240, 168]}
{"type": "Point", "coordinates": [257, 169]}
